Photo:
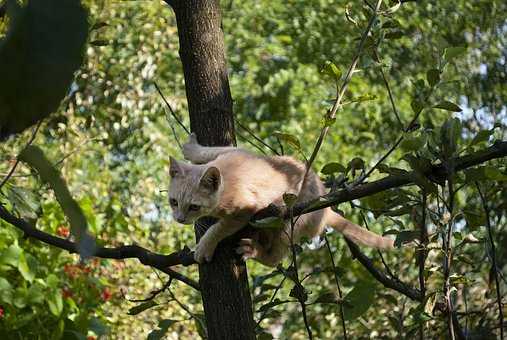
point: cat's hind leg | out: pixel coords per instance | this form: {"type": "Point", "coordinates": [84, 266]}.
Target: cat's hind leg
{"type": "Point", "coordinates": [267, 254]}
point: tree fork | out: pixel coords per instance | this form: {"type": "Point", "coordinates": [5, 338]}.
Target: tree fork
{"type": "Point", "coordinates": [224, 281]}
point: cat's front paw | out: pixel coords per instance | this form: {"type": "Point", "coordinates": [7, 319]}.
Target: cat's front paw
{"type": "Point", "coordinates": [248, 249]}
{"type": "Point", "coordinates": [204, 251]}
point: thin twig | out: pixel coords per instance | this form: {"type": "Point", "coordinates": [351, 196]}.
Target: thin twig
{"type": "Point", "coordinates": [251, 133]}
{"type": "Point", "coordinates": [175, 116]}
{"type": "Point", "coordinates": [421, 255]}
{"type": "Point", "coordinates": [154, 293]}
{"type": "Point", "coordinates": [32, 138]}
{"type": "Point", "coordinates": [282, 152]}
{"type": "Point", "coordinates": [301, 295]}
{"type": "Point", "coordinates": [386, 83]}
{"type": "Point", "coordinates": [270, 301]}
{"type": "Point", "coordinates": [493, 260]}
{"type": "Point", "coordinates": [186, 309]}
{"type": "Point", "coordinates": [344, 86]}
{"type": "Point", "coordinates": [388, 269]}
{"type": "Point", "coordinates": [340, 295]}
{"type": "Point", "coordinates": [447, 249]}
{"type": "Point", "coordinates": [251, 143]}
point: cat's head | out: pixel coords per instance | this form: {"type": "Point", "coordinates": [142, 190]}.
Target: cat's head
{"type": "Point", "coordinates": [194, 190]}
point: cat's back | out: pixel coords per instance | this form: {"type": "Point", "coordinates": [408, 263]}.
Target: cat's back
{"type": "Point", "coordinates": [252, 179]}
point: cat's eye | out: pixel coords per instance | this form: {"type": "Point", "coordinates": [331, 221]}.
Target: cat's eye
{"type": "Point", "coordinates": [173, 202]}
{"type": "Point", "coordinates": [193, 207]}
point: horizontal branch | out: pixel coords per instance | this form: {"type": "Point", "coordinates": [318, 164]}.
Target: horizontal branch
{"type": "Point", "coordinates": [399, 286]}
{"type": "Point", "coordinates": [436, 173]}
{"type": "Point", "coordinates": [146, 257]}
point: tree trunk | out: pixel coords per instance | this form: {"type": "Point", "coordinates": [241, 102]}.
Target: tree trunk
{"type": "Point", "coordinates": [224, 282]}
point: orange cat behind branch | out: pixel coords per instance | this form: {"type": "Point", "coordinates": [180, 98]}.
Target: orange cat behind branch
{"type": "Point", "coordinates": [233, 184]}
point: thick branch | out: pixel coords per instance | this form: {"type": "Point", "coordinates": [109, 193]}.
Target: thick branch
{"type": "Point", "coordinates": [161, 262]}
{"type": "Point", "coordinates": [413, 293]}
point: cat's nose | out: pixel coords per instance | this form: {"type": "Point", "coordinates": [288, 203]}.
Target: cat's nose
{"type": "Point", "coordinates": [180, 219]}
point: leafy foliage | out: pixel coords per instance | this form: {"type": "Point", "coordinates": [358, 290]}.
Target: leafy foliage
{"type": "Point", "coordinates": [109, 139]}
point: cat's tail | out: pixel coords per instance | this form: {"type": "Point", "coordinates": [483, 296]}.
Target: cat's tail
{"type": "Point", "coordinates": [357, 234]}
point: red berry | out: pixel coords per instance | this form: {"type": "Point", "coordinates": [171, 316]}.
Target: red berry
{"type": "Point", "coordinates": [91, 337]}
{"type": "Point", "coordinates": [106, 294]}
{"type": "Point", "coordinates": [63, 231]}
{"type": "Point", "coordinates": [2, 313]}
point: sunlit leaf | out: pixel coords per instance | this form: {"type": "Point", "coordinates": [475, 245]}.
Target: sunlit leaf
{"type": "Point", "coordinates": [142, 307]}
{"type": "Point", "coordinates": [332, 168]}
{"type": "Point", "coordinates": [447, 105]}
{"type": "Point", "coordinates": [269, 222]}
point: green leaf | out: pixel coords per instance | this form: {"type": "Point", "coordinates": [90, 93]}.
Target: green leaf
{"type": "Point", "coordinates": [35, 157]}
{"type": "Point", "coordinates": [417, 106]}
{"type": "Point", "coordinates": [163, 327]}
{"type": "Point", "coordinates": [271, 304]}
{"type": "Point", "coordinates": [142, 307]}
{"type": "Point", "coordinates": [98, 25]}
{"type": "Point", "coordinates": [413, 143]}
{"type": "Point", "coordinates": [476, 174]}
{"type": "Point", "coordinates": [356, 164]}
{"type": "Point", "coordinates": [261, 297]}
{"type": "Point", "coordinates": [35, 294]}
{"type": "Point", "coordinates": [99, 42]}
{"type": "Point", "coordinates": [264, 336]}
{"type": "Point", "coordinates": [11, 255]}
{"type": "Point", "coordinates": [494, 173]}
{"type": "Point", "coordinates": [55, 303]}
{"type": "Point", "coordinates": [331, 168]}
{"type": "Point", "coordinates": [451, 53]}
{"type": "Point", "coordinates": [327, 297]}
{"type": "Point", "coordinates": [6, 291]}
{"type": "Point", "coordinates": [24, 201]}
{"type": "Point", "coordinates": [97, 326]}
{"type": "Point", "coordinates": [447, 105]}
{"type": "Point", "coordinates": [363, 98]}
{"type": "Point", "coordinates": [359, 299]}
{"type": "Point", "coordinates": [269, 222]}
{"type": "Point", "coordinates": [43, 48]}
{"type": "Point", "coordinates": [475, 219]}
{"type": "Point", "coordinates": [52, 281]}
{"type": "Point", "coordinates": [291, 140]}
{"type": "Point", "coordinates": [289, 199]}
{"type": "Point", "coordinates": [332, 70]}
{"type": "Point", "coordinates": [433, 76]}
{"type": "Point", "coordinates": [24, 269]}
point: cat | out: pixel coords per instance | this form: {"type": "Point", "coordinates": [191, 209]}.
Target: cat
{"type": "Point", "coordinates": [233, 184]}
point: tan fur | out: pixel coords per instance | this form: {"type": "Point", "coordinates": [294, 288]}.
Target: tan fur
{"type": "Point", "coordinates": [233, 184]}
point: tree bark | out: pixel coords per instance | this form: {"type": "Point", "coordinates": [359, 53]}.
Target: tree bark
{"type": "Point", "coordinates": [224, 281]}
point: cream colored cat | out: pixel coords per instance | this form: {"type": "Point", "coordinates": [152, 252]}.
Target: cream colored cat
{"type": "Point", "coordinates": [233, 184]}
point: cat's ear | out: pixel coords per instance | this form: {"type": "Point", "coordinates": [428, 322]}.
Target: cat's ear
{"type": "Point", "coordinates": [211, 179]}
{"type": "Point", "coordinates": [175, 168]}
